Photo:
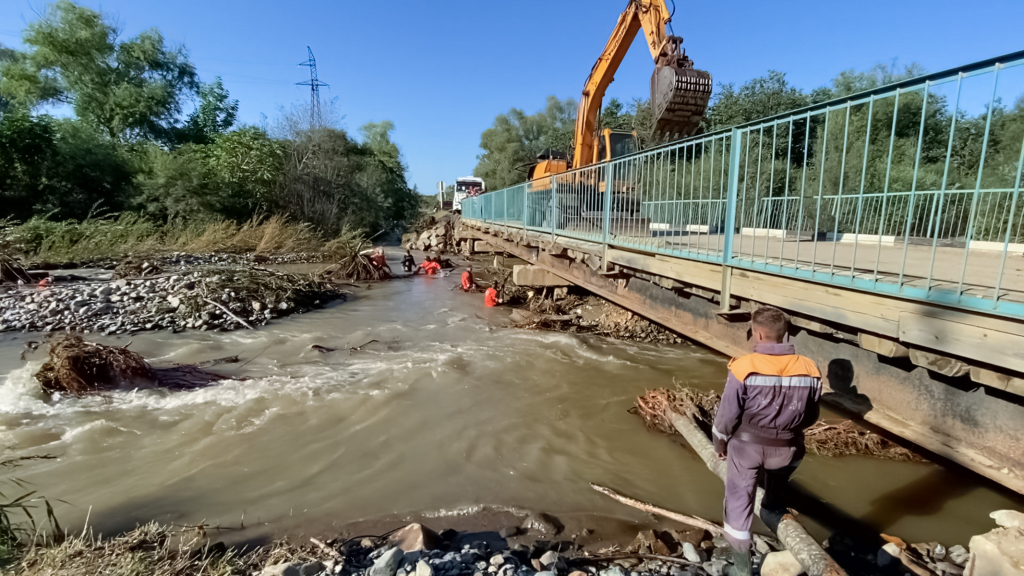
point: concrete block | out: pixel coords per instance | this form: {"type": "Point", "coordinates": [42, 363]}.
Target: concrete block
{"type": "Point", "coordinates": [526, 275]}
{"type": "Point", "coordinates": [482, 246]}
{"type": "Point", "coordinates": [999, 552]}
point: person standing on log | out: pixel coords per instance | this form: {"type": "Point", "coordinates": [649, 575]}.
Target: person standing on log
{"type": "Point", "coordinates": [770, 398]}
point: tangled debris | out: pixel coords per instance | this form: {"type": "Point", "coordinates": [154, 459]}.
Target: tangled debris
{"type": "Point", "coordinates": [78, 367]}
{"type": "Point", "coordinates": [208, 298]}
{"type": "Point", "coordinates": [572, 310]}
{"type": "Point", "coordinates": [844, 438]}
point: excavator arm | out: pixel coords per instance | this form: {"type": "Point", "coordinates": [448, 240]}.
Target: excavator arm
{"type": "Point", "coordinates": [679, 93]}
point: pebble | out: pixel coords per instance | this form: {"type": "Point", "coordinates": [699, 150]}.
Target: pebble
{"type": "Point", "coordinates": [127, 306]}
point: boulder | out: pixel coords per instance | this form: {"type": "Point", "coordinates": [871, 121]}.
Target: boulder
{"type": "Point", "coordinates": [781, 564]}
{"type": "Point", "coordinates": [998, 552]}
{"type": "Point", "coordinates": [415, 537]}
{"type": "Point", "coordinates": [285, 569]}
{"type": "Point", "coordinates": [387, 564]}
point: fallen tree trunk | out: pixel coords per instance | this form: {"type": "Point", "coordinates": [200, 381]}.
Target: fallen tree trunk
{"type": "Point", "coordinates": [793, 536]}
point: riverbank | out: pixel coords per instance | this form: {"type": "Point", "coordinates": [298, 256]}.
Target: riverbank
{"type": "Point", "coordinates": [451, 411]}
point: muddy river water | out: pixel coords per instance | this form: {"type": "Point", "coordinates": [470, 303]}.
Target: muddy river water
{"type": "Point", "coordinates": [448, 412]}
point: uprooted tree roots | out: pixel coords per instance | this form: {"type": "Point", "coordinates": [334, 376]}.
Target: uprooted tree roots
{"type": "Point", "coordinates": [78, 367]}
{"type": "Point", "coordinates": [841, 438]}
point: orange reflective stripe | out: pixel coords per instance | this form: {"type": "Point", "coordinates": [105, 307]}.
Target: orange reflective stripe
{"type": "Point", "coordinates": [790, 365]}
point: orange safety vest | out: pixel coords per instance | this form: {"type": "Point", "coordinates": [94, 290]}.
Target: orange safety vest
{"type": "Point", "coordinates": [491, 297]}
{"type": "Point", "coordinates": [467, 280]}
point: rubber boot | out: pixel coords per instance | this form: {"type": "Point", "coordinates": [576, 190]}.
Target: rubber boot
{"type": "Point", "coordinates": [740, 564]}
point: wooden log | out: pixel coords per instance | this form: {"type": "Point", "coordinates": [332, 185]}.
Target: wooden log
{"type": "Point", "coordinates": [681, 518]}
{"type": "Point", "coordinates": [793, 536]}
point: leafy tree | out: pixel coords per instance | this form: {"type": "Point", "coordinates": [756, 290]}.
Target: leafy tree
{"type": "Point", "coordinates": [236, 176]}
{"type": "Point", "coordinates": [215, 114]}
{"type": "Point", "coordinates": [131, 89]}
{"type": "Point", "coordinates": [758, 98]}
{"type": "Point", "coordinates": [515, 139]}
{"type": "Point", "coordinates": [335, 182]}
{"type": "Point", "coordinates": [850, 81]}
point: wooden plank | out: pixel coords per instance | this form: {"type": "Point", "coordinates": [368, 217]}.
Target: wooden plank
{"type": "Point", "coordinates": [940, 364]}
{"type": "Point", "coordinates": [696, 273]}
{"type": "Point", "coordinates": [810, 325]}
{"type": "Point", "coordinates": [998, 380]}
{"type": "Point", "coordinates": [982, 344]}
{"type": "Point", "coordinates": [882, 346]}
{"type": "Point", "coordinates": [861, 311]}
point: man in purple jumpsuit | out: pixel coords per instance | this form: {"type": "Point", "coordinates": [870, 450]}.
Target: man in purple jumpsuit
{"type": "Point", "coordinates": [770, 398]}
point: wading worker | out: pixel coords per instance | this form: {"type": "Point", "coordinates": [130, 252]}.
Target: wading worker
{"type": "Point", "coordinates": [770, 397]}
{"type": "Point", "coordinates": [468, 282]}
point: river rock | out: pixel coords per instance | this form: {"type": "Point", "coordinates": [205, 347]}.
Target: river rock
{"type": "Point", "coordinates": [311, 569]}
{"type": "Point", "coordinates": [691, 554]}
{"type": "Point", "coordinates": [781, 563]}
{"type": "Point", "coordinates": [415, 537]}
{"type": "Point", "coordinates": [958, 555]}
{"type": "Point", "coordinates": [387, 563]}
{"type": "Point", "coordinates": [424, 569]}
{"type": "Point", "coordinates": [549, 558]}
{"type": "Point", "coordinates": [613, 571]}
{"type": "Point", "coordinates": [286, 569]}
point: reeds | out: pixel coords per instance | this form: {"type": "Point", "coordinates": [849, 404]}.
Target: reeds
{"type": "Point", "coordinates": [44, 240]}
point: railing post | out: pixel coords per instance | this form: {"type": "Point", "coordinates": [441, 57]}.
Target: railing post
{"type": "Point", "coordinates": [554, 205]}
{"type": "Point", "coordinates": [504, 201]}
{"type": "Point", "coordinates": [606, 211]}
{"type": "Point", "coordinates": [526, 205]}
{"type": "Point", "coordinates": [729, 227]}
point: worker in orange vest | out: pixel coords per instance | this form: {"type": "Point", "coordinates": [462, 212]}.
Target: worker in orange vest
{"type": "Point", "coordinates": [468, 282]}
{"type": "Point", "coordinates": [770, 398]}
{"type": "Point", "coordinates": [491, 297]}
{"type": "Point", "coordinates": [429, 266]}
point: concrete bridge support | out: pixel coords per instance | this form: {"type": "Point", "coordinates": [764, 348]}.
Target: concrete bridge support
{"type": "Point", "coordinates": [933, 375]}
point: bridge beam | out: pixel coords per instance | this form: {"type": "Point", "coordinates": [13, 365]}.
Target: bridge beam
{"type": "Point", "coordinates": [853, 335]}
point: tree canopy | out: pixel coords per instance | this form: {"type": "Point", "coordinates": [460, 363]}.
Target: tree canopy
{"type": "Point", "coordinates": [147, 135]}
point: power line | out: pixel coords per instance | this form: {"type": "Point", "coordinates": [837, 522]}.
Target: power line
{"type": "Point", "coordinates": [315, 119]}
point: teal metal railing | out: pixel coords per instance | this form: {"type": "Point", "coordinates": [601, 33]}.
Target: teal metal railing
{"type": "Point", "coordinates": [911, 189]}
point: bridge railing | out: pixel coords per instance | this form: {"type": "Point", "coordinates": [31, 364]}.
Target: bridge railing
{"type": "Point", "coordinates": [911, 189]}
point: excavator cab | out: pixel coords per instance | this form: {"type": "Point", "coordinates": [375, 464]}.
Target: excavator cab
{"type": "Point", "coordinates": [614, 144]}
{"type": "Point", "coordinates": [549, 162]}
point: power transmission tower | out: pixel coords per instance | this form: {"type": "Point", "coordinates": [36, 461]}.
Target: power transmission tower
{"type": "Point", "coordinates": [315, 119]}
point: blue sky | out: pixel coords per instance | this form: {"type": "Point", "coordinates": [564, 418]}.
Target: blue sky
{"type": "Point", "coordinates": [441, 71]}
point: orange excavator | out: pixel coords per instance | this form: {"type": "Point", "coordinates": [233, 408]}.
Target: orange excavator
{"type": "Point", "coordinates": [679, 92]}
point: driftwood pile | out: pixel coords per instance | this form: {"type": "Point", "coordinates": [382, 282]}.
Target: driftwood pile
{"type": "Point", "coordinates": [77, 367]}
{"type": "Point", "coordinates": [841, 438]}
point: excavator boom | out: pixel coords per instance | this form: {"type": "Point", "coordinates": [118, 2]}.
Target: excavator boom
{"type": "Point", "coordinates": [679, 92]}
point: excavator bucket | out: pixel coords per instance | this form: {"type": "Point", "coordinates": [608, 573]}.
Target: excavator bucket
{"type": "Point", "coordinates": [679, 98]}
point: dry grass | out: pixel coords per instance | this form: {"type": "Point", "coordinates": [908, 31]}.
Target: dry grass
{"type": "Point", "coordinates": [149, 550]}
{"type": "Point", "coordinates": [42, 240]}
{"type": "Point", "coordinates": [842, 438]}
